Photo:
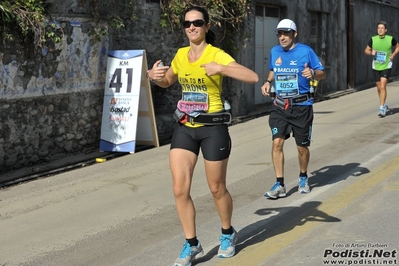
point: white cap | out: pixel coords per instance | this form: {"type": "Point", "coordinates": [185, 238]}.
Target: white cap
{"type": "Point", "coordinates": [286, 25]}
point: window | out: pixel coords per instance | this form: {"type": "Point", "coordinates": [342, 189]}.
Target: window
{"type": "Point", "coordinates": [267, 11]}
{"type": "Point", "coordinates": [272, 12]}
{"type": "Point", "coordinates": [318, 35]}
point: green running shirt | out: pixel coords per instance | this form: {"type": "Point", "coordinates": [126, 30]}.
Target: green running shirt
{"type": "Point", "coordinates": [384, 49]}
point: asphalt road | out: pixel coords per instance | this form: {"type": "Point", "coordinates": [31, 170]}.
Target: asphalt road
{"type": "Point", "coordinates": [121, 212]}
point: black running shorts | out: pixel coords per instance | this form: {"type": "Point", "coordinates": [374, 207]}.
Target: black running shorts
{"type": "Point", "coordinates": [214, 140]}
{"type": "Point", "coordinates": [378, 74]}
{"type": "Point", "coordinates": [296, 119]}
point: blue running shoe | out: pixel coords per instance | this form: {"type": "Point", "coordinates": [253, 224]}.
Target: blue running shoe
{"type": "Point", "coordinates": [383, 111]}
{"type": "Point", "coordinates": [276, 191]}
{"type": "Point", "coordinates": [188, 254]}
{"type": "Point", "coordinates": [227, 247]}
{"type": "Point", "coordinates": [303, 186]}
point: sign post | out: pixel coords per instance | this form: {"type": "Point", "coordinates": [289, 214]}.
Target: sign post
{"type": "Point", "coordinates": [128, 113]}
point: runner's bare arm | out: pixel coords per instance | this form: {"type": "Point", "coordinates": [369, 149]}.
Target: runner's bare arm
{"type": "Point", "coordinates": [232, 70]}
{"type": "Point", "coordinates": [163, 76]}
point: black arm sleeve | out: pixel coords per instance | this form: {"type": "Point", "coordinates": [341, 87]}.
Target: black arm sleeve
{"type": "Point", "coordinates": [370, 43]}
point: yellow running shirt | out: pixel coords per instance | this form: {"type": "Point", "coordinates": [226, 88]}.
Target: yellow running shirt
{"type": "Point", "coordinates": [200, 93]}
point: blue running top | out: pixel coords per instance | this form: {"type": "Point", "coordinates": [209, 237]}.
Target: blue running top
{"type": "Point", "coordinates": [288, 66]}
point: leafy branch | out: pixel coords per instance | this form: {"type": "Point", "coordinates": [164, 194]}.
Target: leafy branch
{"type": "Point", "coordinates": [28, 17]}
{"type": "Point", "coordinates": [222, 13]}
{"type": "Point", "coordinates": [116, 12]}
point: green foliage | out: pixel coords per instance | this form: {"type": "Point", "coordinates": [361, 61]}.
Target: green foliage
{"type": "Point", "coordinates": [227, 15]}
{"type": "Point", "coordinates": [30, 18]}
{"type": "Point", "coordinates": [117, 12]}
{"type": "Point", "coordinates": [222, 13]}
{"type": "Point", "coordinates": [27, 17]}
{"type": "Point", "coordinates": [99, 31]}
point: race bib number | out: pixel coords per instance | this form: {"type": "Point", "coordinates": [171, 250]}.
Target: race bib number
{"type": "Point", "coordinates": [381, 57]}
{"type": "Point", "coordinates": [287, 85]}
{"type": "Point", "coordinates": [193, 102]}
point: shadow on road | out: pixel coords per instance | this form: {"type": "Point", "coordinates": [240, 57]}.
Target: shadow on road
{"type": "Point", "coordinates": [289, 218]}
{"type": "Point", "coordinates": [332, 174]}
{"type": "Point", "coordinates": [392, 111]}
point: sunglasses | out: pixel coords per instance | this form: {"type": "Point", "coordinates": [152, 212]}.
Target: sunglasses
{"type": "Point", "coordinates": [196, 23]}
{"type": "Point", "coordinates": [281, 33]}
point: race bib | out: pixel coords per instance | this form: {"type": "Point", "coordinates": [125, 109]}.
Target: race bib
{"type": "Point", "coordinates": [193, 102]}
{"type": "Point", "coordinates": [381, 57]}
{"type": "Point", "coordinates": [287, 85]}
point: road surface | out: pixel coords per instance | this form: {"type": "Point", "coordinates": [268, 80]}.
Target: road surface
{"type": "Point", "coordinates": [121, 212]}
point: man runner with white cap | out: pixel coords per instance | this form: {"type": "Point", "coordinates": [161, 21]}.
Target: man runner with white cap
{"type": "Point", "coordinates": [293, 66]}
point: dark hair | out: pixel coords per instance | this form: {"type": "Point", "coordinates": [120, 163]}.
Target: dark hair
{"type": "Point", "coordinates": [210, 36]}
{"type": "Point", "coordinates": [382, 23]}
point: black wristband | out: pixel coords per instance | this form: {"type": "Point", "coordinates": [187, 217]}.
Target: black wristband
{"type": "Point", "coordinates": [268, 81]}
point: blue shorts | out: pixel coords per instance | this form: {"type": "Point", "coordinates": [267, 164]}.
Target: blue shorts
{"type": "Point", "coordinates": [214, 140]}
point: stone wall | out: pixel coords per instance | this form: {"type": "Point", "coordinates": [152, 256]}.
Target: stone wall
{"type": "Point", "coordinates": [43, 129]}
{"type": "Point", "coordinates": [51, 99]}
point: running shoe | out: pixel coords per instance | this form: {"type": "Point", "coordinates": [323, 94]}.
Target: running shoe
{"type": "Point", "coordinates": [276, 191]}
{"type": "Point", "coordinates": [188, 254]}
{"type": "Point", "coordinates": [303, 186]}
{"type": "Point", "coordinates": [386, 109]}
{"type": "Point", "coordinates": [227, 247]}
{"type": "Point", "coordinates": [383, 111]}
